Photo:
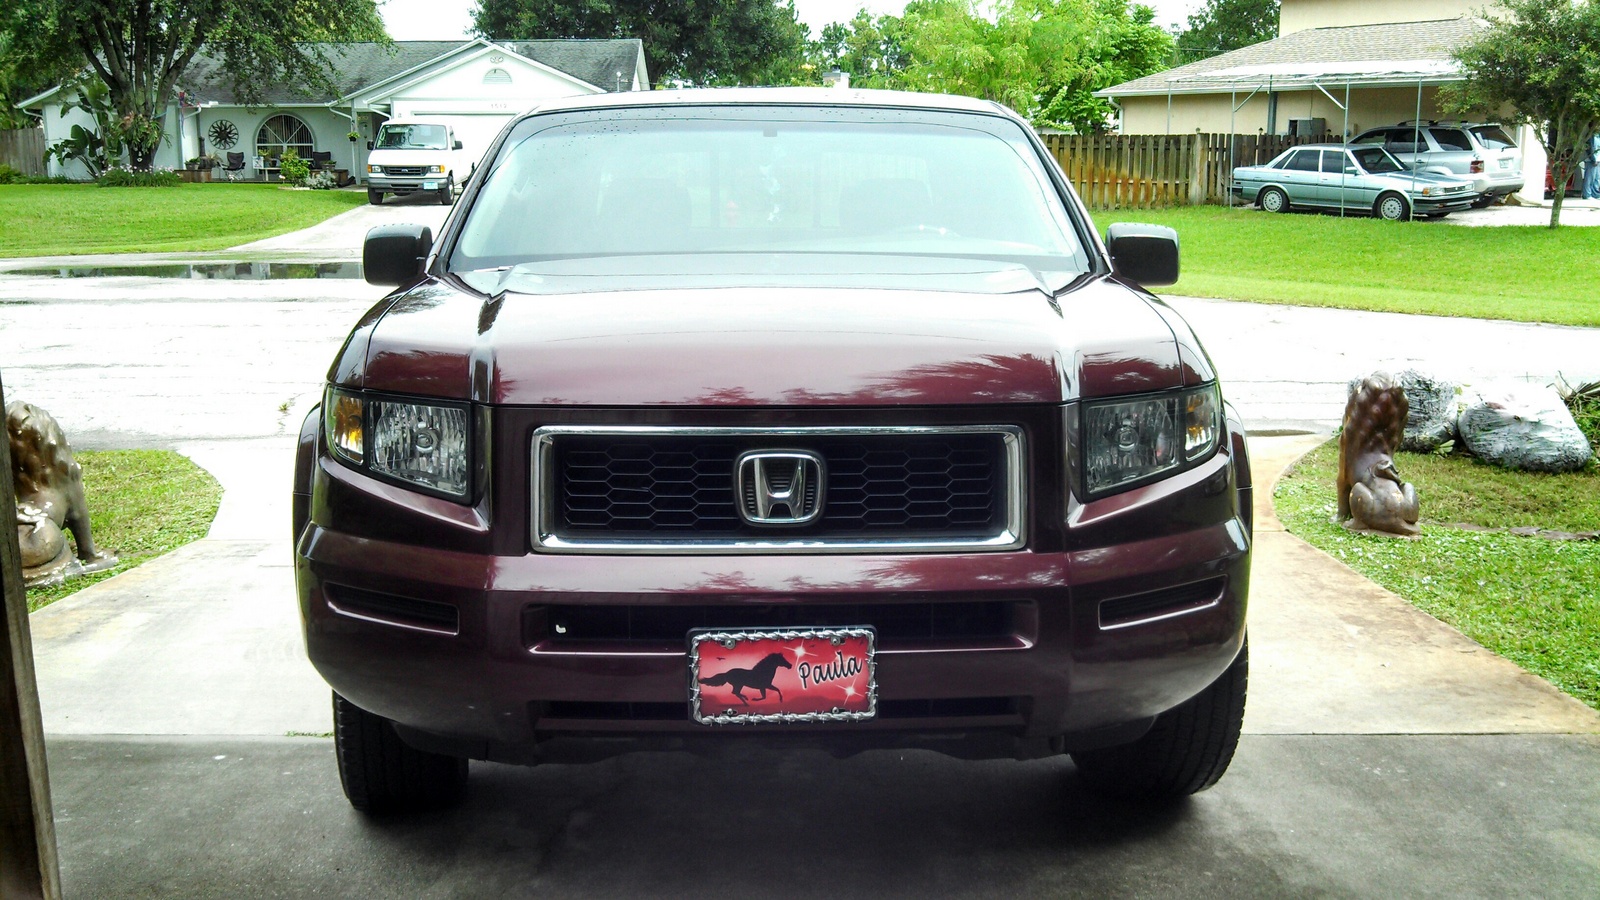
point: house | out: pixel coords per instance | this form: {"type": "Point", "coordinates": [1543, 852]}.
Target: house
{"type": "Point", "coordinates": [1337, 66]}
{"type": "Point", "coordinates": [476, 86]}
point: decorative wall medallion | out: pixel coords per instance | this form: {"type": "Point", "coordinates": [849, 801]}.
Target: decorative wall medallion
{"type": "Point", "coordinates": [223, 135]}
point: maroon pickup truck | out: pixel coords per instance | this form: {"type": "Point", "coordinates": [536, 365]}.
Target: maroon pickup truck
{"type": "Point", "coordinates": [800, 417]}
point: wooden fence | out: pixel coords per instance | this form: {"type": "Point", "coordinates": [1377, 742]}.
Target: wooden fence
{"type": "Point", "coordinates": [23, 149]}
{"type": "Point", "coordinates": [1147, 171]}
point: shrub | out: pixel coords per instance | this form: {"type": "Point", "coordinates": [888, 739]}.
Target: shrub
{"type": "Point", "coordinates": [121, 176]}
{"type": "Point", "coordinates": [322, 181]}
{"type": "Point", "coordinates": [10, 174]}
{"type": "Point", "coordinates": [294, 169]}
{"type": "Point", "coordinates": [1584, 401]}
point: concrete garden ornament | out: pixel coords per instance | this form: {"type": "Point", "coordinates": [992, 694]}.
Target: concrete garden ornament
{"type": "Point", "coordinates": [1372, 497]}
{"type": "Point", "coordinates": [50, 501]}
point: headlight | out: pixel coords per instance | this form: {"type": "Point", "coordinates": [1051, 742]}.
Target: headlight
{"type": "Point", "coordinates": [374, 170]}
{"type": "Point", "coordinates": [436, 170]}
{"type": "Point", "coordinates": [424, 445]}
{"type": "Point", "coordinates": [1128, 442]}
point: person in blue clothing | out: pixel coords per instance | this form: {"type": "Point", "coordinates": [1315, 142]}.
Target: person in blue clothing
{"type": "Point", "coordinates": [1591, 169]}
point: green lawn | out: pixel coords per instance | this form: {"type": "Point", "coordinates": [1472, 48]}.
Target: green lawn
{"type": "Point", "coordinates": [1532, 600]}
{"type": "Point", "coordinates": [142, 503]}
{"type": "Point", "coordinates": [1524, 273]}
{"type": "Point", "coordinates": [61, 219]}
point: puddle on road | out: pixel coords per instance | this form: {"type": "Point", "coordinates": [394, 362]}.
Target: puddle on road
{"type": "Point", "coordinates": [242, 271]}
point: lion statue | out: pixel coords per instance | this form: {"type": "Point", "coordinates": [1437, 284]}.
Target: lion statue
{"type": "Point", "coordinates": [1372, 496]}
{"type": "Point", "coordinates": [50, 501]}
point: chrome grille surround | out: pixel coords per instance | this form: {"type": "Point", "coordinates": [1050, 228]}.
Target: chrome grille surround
{"type": "Point", "coordinates": [542, 533]}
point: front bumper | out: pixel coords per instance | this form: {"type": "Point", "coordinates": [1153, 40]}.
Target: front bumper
{"type": "Point", "coordinates": [1451, 203]}
{"type": "Point", "coordinates": [405, 184]}
{"type": "Point", "coordinates": [1100, 636]}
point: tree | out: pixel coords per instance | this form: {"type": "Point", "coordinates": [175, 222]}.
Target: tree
{"type": "Point", "coordinates": [1043, 58]}
{"type": "Point", "coordinates": [1542, 62]}
{"type": "Point", "coordinates": [1224, 25]}
{"type": "Point", "coordinates": [871, 49]}
{"type": "Point", "coordinates": [140, 49]}
{"type": "Point", "coordinates": [703, 42]}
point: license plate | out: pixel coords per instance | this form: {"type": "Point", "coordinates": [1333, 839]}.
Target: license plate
{"type": "Point", "coordinates": [783, 677]}
{"type": "Point", "coordinates": [430, 185]}
{"type": "Point", "coordinates": [1505, 163]}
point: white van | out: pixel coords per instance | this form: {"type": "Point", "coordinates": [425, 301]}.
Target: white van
{"type": "Point", "coordinates": [411, 155]}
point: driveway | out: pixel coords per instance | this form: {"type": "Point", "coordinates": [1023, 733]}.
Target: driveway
{"type": "Point", "coordinates": [1385, 753]}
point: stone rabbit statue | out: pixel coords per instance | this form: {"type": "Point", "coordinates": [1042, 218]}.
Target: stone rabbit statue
{"type": "Point", "coordinates": [50, 501]}
{"type": "Point", "coordinates": [1372, 496]}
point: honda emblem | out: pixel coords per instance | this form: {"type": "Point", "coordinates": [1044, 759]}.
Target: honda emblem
{"type": "Point", "coordinates": [779, 487]}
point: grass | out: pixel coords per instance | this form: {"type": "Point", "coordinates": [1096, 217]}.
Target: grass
{"type": "Point", "coordinates": [69, 219]}
{"type": "Point", "coordinates": [1521, 273]}
{"type": "Point", "coordinates": [142, 503]}
{"type": "Point", "coordinates": [1532, 600]}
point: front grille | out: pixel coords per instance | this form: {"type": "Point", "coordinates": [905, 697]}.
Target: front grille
{"type": "Point", "coordinates": [663, 487]}
{"type": "Point", "coordinates": [405, 170]}
{"type": "Point", "coordinates": [894, 622]}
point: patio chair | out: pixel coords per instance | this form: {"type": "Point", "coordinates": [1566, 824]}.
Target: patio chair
{"type": "Point", "coordinates": [321, 159]}
{"type": "Point", "coordinates": [234, 170]}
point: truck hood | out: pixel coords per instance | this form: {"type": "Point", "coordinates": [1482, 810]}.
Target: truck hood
{"type": "Point", "coordinates": [761, 345]}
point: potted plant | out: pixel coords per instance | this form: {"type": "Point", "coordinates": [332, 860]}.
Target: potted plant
{"type": "Point", "coordinates": [354, 136]}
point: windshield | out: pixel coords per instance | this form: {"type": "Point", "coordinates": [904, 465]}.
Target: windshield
{"type": "Point", "coordinates": [1377, 160]}
{"type": "Point", "coordinates": [1494, 138]}
{"type": "Point", "coordinates": [395, 137]}
{"type": "Point", "coordinates": [780, 185]}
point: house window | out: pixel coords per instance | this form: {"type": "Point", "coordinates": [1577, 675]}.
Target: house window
{"type": "Point", "coordinates": [497, 76]}
{"type": "Point", "coordinates": [281, 132]}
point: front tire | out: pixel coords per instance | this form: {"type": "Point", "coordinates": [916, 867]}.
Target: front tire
{"type": "Point", "coordinates": [382, 774]}
{"type": "Point", "coordinates": [375, 197]}
{"type": "Point", "coordinates": [1393, 207]}
{"type": "Point", "coordinates": [1184, 752]}
{"type": "Point", "coordinates": [1274, 200]}
{"type": "Point", "coordinates": [447, 194]}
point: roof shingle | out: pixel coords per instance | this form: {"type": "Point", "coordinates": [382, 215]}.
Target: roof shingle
{"type": "Point", "coordinates": [1393, 42]}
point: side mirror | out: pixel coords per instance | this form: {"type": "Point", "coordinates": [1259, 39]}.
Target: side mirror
{"type": "Point", "coordinates": [393, 254]}
{"type": "Point", "coordinates": [369, 145]}
{"type": "Point", "coordinates": [1144, 254]}
{"type": "Point", "coordinates": [456, 145]}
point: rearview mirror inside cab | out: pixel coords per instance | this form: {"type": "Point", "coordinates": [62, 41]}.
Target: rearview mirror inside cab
{"type": "Point", "coordinates": [1144, 254]}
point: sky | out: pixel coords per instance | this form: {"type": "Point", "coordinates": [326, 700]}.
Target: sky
{"type": "Point", "coordinates": [443, 20]}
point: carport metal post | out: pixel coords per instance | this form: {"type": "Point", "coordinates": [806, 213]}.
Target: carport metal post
{"type": "Point", "coordinates": [28, 864]}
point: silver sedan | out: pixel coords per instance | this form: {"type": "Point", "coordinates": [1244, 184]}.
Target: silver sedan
{"type": "Point", "coordinates": [1367, 179]}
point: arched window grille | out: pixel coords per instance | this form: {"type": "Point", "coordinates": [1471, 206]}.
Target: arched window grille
{"type": "Point", "coordinates": [281, 132]}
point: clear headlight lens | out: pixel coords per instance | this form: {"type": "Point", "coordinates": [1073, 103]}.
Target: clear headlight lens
{"type": "Point", "coordinates": [374, 170]}
{"type": "Point", "coordinates": [425, 445]}
{"type": "Point", "coordinates": [436, 170]}
{"type": "Point", "coordinates": [1126, 442]}
{"type": "Point", "coordinates": [422, 444]}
